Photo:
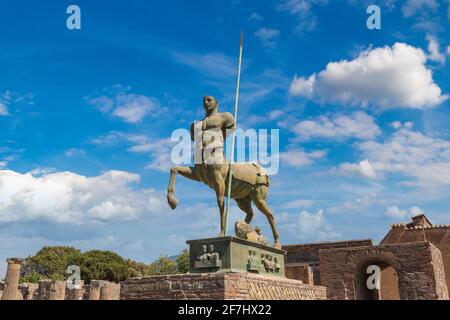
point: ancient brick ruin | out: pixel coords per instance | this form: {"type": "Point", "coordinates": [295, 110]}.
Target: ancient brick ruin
{"type": "Point", "coordinates": [413, 260]}
{"type": "Point", "coordinates": [57, 290]}
{"type": "Point", "coordinates": [302, 261]}
{"type": "Point", "coordinates": [10, 289]}
{"type": "Point", "coordinates": [220, 286]}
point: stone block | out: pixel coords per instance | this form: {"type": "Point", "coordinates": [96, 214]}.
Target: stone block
{"type": "Point", "coordinates": [222, 286]}
{"type": "Point", "coordinates": [231, 254]}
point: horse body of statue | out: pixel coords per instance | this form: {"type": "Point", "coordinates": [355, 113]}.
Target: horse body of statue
{"type": "Point", "coordinates": [250, 183]}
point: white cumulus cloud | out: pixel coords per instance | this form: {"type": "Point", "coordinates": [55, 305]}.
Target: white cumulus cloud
{"type": "Point", "coordinates": [69, 198]}
{"type": "Point", "coordinates": [308, 225]}
{"type": "Point", "coordinates": [299, 157]}
{"type": "Point", "coordinates": [129, 107]}
{"type": "Point", "coordinates": [412, 7]}
{"type": "Point", "coordinates": [303, 10]}
{"type": "Point", "coordinates": [213, 65]}
{"type": "Point", "coordinates": [363, 168]}
{"type": "Point", "coordinates": [358, 125]}
{"type": "Point", "coordinates": [267, 36]}
{"type": "Point", "coordinates": [399, 124]}
{"type": "Point", "coordinates": [434, 50]}
{"type": "Point", "coordinates": [160, 150]}
{"type": "Point", "coordinates": [386, 77]}
{"type": "Point", "coordinates": [425, 160]}
{"type": "Point", "coordinates": [255, 16]}
{"type": "Point", "coordinates": [395, 213]}
{"type": "Point", "coordinates": [3, 109]}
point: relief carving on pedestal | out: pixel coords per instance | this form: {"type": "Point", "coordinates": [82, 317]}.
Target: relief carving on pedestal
{"type": "Point", "coordinates": [208, 258]}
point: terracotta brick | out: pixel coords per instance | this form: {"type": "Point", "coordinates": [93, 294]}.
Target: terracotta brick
{"type": "Point", "coordinates": [233, 286]}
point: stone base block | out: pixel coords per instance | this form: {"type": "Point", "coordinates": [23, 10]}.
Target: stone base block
{"type": "Point", "coordinates": [232, 254]}
{"type": "Point", "coordinates": [219, 286]}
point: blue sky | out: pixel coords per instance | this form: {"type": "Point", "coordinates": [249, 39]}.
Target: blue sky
{"type": "Point", "coordinates": [86, 117]}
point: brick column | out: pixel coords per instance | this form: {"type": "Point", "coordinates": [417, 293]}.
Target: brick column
{"type": "Point", "coordinates": [77, 293]}
{"type": "Point", "coordinates": [110, 291]}
{"type": "Point", "coordinates": [95, 288]}
{"type": "Point", "coordinates": [32, 291]}
{"type": "Point", "coordinates": [52, 290]}
{"type": "Point", "coordinates": [12, 279]}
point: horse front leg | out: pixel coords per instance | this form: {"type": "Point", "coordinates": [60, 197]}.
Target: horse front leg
{"type": "Point", "coordinates": [219, 187]}
{"type": "Point", "coordinates": [188, 172]}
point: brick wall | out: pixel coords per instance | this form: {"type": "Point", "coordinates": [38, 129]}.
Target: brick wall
{"type": "Point", "coordinates": [301, 273]}
{"type": "Point", "coordinates": [418, 266]}
{"type": "Point", "coordinates": [439, 236]}
{"type": "Point", "coordinates": [219, 286]}
{"type": "Point", "coordinates": [310, 252]}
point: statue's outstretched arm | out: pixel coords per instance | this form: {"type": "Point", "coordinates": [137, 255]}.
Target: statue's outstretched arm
{"type": "Point", "coordinates": [229, 123]}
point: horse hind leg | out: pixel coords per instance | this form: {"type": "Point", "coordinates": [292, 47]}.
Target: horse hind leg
{"type": "Point", "coordinates": [188, 172]}
{"type": "Point", "coordinates": [245, 204]}
{"type": "Point", "coordinates": [262, 206]}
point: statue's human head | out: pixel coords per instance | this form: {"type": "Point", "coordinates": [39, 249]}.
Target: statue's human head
{"type": "Point", "coordinates": [205, 248]}
{"type": "Point", "coordinates": [211, 248]}
{"type": "Point", "coordinates": [210, 103]}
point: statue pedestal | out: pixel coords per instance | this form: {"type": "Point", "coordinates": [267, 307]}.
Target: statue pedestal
{"type": "Point", "coordinates": [231, 254]}
{"type": "Point", "coordinates": [225, 268]}
{"type": "Point", "coordinates": [219, 286]}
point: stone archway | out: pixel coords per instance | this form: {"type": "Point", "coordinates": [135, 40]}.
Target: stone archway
{"type": "Point", "coordinates": [408, 271]}
{"type": "Point", "coordinates": [360, 260]}
{"type": "Point", "coordinates": [388, 283]}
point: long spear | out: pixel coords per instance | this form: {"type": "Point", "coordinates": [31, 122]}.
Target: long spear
{"type": "Point", "coordinates": [236, 102]}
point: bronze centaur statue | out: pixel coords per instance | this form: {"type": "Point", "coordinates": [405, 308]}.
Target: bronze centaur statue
{"type": "Point", "coordinates": [249, 182]}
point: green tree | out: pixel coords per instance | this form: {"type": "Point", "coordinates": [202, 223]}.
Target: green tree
{"type": "Point", "coordinates": [48, 263]}
{"type": "Point", "coordinates": [101, 265]}
{"type": "Point", "coordinates": [52, 263]}
{"type": "Point", "coordinates": [183, 261]}
{"type": "Point", "coordinates": [139, 269]}
{"type": "Point", "coordinates": [165, 265]}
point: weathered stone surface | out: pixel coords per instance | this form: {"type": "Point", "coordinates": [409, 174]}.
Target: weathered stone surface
{"type": "Point", "coordinates": [302, 260]}
{"type": "Point", "coordinates": [219, 286]}
{"type": "Point", "coordinates": [103, 290]}
{"type": "Point", "coordinates": [29, 291]}
{"type": "Point", "coordinates": [231, 254]}
{"type": "Point", "coordinates": [95, 289]}
{"type": "Point", "coordinates": [418, 267]}
{"type": "Point", "coordinates": [419, 230]}
{"type": "Point", "coordinates": [52, 290]}
{"type": "Point", "coordinates": [11, 289]}
{"type": "Point", "coordinates": [110, 291]}
{"type": "Point", "coordinates": [86, 291]}
{"type": "Point", "coordinates": [76, 293]}
{"type": "Point", "coordinates": [245, 231]}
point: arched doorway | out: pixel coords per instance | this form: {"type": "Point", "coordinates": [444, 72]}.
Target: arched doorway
{"type": "Point", "coordinates": [388, 281]}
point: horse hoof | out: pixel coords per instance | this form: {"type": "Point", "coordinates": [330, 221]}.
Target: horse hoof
{"type": "Point", "coordinates": [173, 202]}
{"type": "Point", "coordinates": [277, 245]}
